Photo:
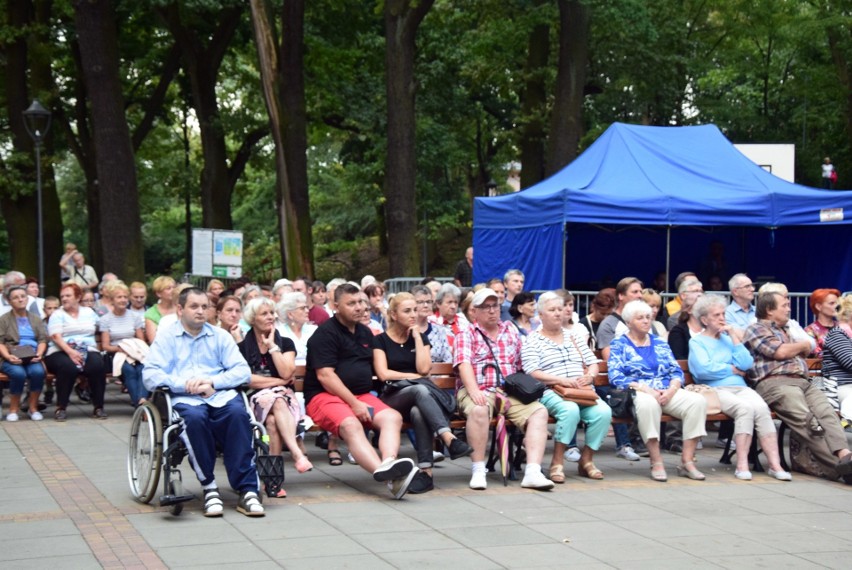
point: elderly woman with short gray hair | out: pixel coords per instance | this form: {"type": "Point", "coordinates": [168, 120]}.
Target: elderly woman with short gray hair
{"type": "Point", "coordinates": [271, 359]}
{"type": "Point", "coordinates": [644, 363]}
{"type": "Point", "coordinates": [447, 307]}
{"type": "Point", "coordinates": [554, 356]}
{"type": "Point", "coordinates": [293, 322]}
{"type": "Point", "coordinates": [718, 358]}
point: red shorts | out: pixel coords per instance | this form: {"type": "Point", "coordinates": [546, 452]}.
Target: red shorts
{"type": "Point", "coordinates": [328, 411]}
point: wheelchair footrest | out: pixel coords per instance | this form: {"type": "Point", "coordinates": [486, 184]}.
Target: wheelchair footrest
{"type": "Point", "coordinates": [169, 500]}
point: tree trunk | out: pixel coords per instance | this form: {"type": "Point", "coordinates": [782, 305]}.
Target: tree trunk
{"type": "Point", "coordinates": [843, 67]}
{"type": "Point", "coordinates": [566, 125]}
{"type": "Point", "coordinates": [533, 103]}
{"type": "Point", "coordinates": [282, 77]}
{"type": "Point", "coordinates": [116, 169]}
{"type": "Point", "coordinates": [402, 18]}
{"type": "Point", "coordinates": [20, 211]}
{"type": "Point", "coordinates": [202, 60]}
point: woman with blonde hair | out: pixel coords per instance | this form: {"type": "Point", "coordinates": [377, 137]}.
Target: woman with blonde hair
{"type": "Point", "coordinates": [655, 301]}
{"type": "Point", "coordinates": [402, 360]}
{"type": "Point", "coordinates": [163, 287]}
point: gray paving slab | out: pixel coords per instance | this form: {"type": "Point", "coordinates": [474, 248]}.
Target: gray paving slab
{"type": "Point", "coordinates": [537, 556]}
{"type": "Point", "coordinates": [773, 561]}
{"type": "Point", "coordinates": [354, 562]}
{"type": "Point", "coordinates": [69, 561]}
{"type": "Point", "coordinates": [286, 549]}
{"type": "Point", "coordinates": [441, 559]}
{"type": "Point", "coordinates": [407, 541]}
{"type": "Point", "coordinates": [337, 517]}
{"type": "Point", "coordinates": [243, 552]}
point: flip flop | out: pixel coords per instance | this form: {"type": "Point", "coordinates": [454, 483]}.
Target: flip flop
{"type": "Point", "coordinates": [334, 457]}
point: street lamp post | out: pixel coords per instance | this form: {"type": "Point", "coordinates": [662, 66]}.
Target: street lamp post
{"type": "Point", "coordinates": [37, 123]}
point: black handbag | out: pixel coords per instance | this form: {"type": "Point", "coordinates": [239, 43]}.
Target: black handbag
{"type": "Point", "coordinates": [621, 402]}
{"type": "Point", "coordinates": [523, 387]}
{"type": "Point", "coordinates": [520, 386]}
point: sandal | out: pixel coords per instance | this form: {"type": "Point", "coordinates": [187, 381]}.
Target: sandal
{"type": "Point", "coordinates": [334, 457]}
{"type": "Point", "coordinates": [658, 472]}
{"type": "Point", "coordinates": [213, 505]}
{"type": "Point", "coordinates": [589, 470]}
{"type": "Point", "coordinates": [250, 505]}
{"type": "Point", "coordinates": [688, 470]}
{"type": "Point", "coordinates": [557, 474]}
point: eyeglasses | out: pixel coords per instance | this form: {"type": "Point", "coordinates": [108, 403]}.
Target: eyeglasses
{"type": "Point", "coordinates": [424, 302]}
{"type": "Point", "coordinates": [489, 307]}
{"type": "Point", "coordinates": [749, 286]}
{"type": "Point", "coordinates": [302, 307]}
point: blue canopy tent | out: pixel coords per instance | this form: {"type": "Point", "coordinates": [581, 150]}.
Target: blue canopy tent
{"type": "Point", "coordinates": [644, 199]}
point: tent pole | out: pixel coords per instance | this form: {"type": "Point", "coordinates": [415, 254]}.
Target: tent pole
{"type": "Point", "coordinates": [668, 253]}
{"type": "Point", "coordinates": [564, 250]}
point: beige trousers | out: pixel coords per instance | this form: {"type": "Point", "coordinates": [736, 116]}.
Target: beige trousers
{"type": "Point", "coordinates": [689, 407]}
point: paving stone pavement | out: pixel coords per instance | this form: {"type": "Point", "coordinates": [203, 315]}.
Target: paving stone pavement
{"type": "Point", "coordinates": [66, 504]}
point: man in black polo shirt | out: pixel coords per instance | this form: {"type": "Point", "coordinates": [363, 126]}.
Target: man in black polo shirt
{"type": "Point", "coordinates": [337, 387]}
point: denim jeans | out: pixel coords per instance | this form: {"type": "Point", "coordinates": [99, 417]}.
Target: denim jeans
{"type": "Point", "coordinates": [131, 375]}
{"type": "Point", "coordinates": [18, 374]}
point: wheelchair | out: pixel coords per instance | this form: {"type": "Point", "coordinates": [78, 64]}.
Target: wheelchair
{"type": "Point", "coordinates": [156, 451]}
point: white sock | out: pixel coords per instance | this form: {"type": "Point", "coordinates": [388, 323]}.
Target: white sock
{"type": "Point", "coordinates": [532, 468]}
{"type": "Point", "coordinates": [477, 467]}
{"type": "Point", "coordinates": [211, 485]}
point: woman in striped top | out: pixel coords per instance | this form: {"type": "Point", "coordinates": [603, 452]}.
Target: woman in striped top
{"type": "Point", "coordinates": [73, 351]}
{"type": "Point", "coordinates": [837, 357]}
{"type": "Point", "coordinates": [554, 356]}
{"type": "Point", "coordinates": [119, 324]}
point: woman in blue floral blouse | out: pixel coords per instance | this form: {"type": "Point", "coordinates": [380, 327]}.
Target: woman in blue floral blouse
{"type": "Point", "coordinates": [644, 363]}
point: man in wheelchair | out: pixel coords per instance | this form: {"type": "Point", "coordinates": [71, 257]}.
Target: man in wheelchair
{"type": "Point", "coordinates": [201, 365]}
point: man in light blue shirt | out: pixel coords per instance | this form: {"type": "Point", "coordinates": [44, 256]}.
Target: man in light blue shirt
{"type": "Point", "coordinates": [740, 313]}
{"type": "Point", "coordinates": [201, 365]}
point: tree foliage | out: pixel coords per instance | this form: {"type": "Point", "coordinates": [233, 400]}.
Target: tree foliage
{"type": "Point", "coordinates": [496, 81]}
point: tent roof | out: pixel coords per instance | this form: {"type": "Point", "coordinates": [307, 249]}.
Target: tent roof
{"type": "Point", "coordinates": [638, 175]}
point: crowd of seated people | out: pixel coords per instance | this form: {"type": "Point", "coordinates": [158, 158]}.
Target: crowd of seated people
{"type": "Point", "coordinates": [749, 352]}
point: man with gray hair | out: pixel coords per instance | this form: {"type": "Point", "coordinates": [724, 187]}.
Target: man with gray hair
{"type": "Point", "coordinates": [513, 281]}
{"type": "Point", "coordinates": [740, 313]}
{"type": "Point", "coordinates": [780, 375]}
{"type": "Point", "coordinates": [690, 286]}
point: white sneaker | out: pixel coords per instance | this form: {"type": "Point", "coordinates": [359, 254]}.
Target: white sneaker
{"type": "Point", "coordinates": [780, 475]}
{"type": "Point", "coordinates": [743, 475]}
{"type": "Point", "coordinates": [478, 481]}
{"type": "Point", "coordinates": [536, 480]}
{"type": "Point", "coordinates": [437, 457]}
{"type": "Point", "coordinates": [36, 416]}
{"type": "Point", "coordinates": [721, 443]}
{"type": "Point", "coordinates": [573, 454]}
{"type": "Point", "coordinates": [626, 452]}
{"type": "Point", "coordinates": [12, 417]}
{"type": "Point", "coordinates": [700, 444]}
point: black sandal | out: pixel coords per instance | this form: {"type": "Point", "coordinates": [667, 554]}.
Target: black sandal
{"type": "Point", "coordinates": [334, 457]}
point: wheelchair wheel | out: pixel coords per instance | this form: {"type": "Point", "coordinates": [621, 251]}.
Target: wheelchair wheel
{"type": "Point", "coordinates": [176, 489]}
{"type": "Point", "coordinates": [145, 452]}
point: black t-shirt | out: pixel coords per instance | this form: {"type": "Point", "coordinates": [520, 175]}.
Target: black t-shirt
{"type": "Point", "coordinates": [351, 356]}
{"type": "Point", "coordinates": [401, 358]}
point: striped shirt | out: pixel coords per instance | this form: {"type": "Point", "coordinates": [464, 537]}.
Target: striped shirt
{"type": "Point", "coordinates": [120, 328]}
{"type": "Point", "coordinates": [80, 330]}
{"type": "Point", "coordinates": [563, 360]}
{"type": "Point", "coordinates": [837, 356]}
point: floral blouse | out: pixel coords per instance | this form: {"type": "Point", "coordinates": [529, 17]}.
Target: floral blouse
{"type": "Point", "coordinates": [654, 365]}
